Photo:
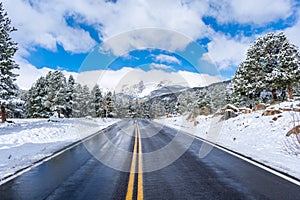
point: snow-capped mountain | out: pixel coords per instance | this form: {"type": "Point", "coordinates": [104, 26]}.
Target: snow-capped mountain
{"type": "Point", "coordinates": [141, 84]}
{"type": "Point", "coordinates": [149, 89]}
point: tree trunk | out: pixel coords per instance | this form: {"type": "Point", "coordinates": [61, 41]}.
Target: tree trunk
{"type": "Point", "coordinates": [290, 91]}
{"type": "Point", "coordinates": [58, 113]}
{"type": "Point", "coordinates": [3, 117]}
{"type": "Point", "coordinates": [274, 94]}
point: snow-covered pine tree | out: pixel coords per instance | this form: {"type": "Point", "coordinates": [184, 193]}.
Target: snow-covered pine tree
{"type": "Point", "coordinates": [60, 101]}
{"type": "Point", "coordinates": [138, 108]}
{"type": "Point", "coordinates": [47, 96]}
{"type": "Point", "coordinates": [145, 108]}
{"type": "Point", "coordinates": [69, 96]}
{"type": "Point", "coordinates": [247, 80]}
{"type": "Point", "coordinates": [96, 101]}
{"type": "Point", "coordinates": [56, 92]}
{"type": "Point", "coordinates": [157, 109]}
{"type": "Point", "coordinates": [282, 61]}
{"type": "Point", "coordinates": [169, 107]}
{"type": "Point", "coordinates": [86, 108]}
{"type": "Point", "coordinates": [272, 63]}
{"type": "Point", "coordinates": [8, 89]}
{"type": "Point", "coordinates": [130, 110]}
{"type": "Point", "coordinates": [19, 108]}
{"type": "Point", "coordinates": [202, 100]}
{"type": "Point", "coordinates": [185, 101]}
{"type": "Point", "coordinates": [108, 104]}
{"type": "Point", "coordinates": [120, 106]}
{"type": "Point", "coordinates": [35, 103]}
{"type": "Point", "coordinates": [77, 101]}
{"type": "Point", "coordinates": [289, 67]}
{"type": "Point", "coordinates": [177, 110]}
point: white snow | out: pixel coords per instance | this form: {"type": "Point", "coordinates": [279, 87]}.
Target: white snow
{"type": "Point", "coordinates": [252, 135]}
{"type": "Point", "coordinates": [29, 140]}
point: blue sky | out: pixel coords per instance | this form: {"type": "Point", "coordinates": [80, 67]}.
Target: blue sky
{"type": "Point", "coordinates": [55, 34]}
{"type": "Point", "coordinates": [61, 59]}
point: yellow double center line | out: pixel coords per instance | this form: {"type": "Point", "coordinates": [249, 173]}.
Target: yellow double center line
{"type": "Point", "coordinates": [137, 152]}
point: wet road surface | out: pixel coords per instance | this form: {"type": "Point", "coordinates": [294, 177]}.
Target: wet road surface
{"type": "Point", "coordinates": [145, 160]}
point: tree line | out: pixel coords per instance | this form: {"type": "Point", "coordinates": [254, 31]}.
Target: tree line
{"type": "Point", "coordinates": [54, 93]}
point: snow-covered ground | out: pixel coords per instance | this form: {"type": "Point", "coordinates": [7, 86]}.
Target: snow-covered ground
{"type": "Point", "coordinates": [30, 140]}
{"type": "Point", "coordinates": [252, 135]}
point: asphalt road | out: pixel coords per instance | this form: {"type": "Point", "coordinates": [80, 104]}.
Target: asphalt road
{"type": "Point", "coordinates": [145, 160]}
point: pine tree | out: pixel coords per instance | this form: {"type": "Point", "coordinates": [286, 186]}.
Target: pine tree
{"type": "Point", "coordinates": [145, 107]}
{"type": "Point", "coordinates": [157, 109]}
{"type": "Point", "coordinates": [120, 105]}
{"type": "Point", "coordinates": [289, 64]}
{"type": "Point", "coordinates": [19, 108]}
{"type": "Point", "coordinates": [8, 89]}
{"type": "Point", "coordinates": [108, 104]}
{"type": "Point", "coordinates": [77, 101]}
{"type": "Point", "coordinates": [36, 100]}
{"type": "Point", "coordinates": [96, 102]}
{"type": "Point", "coordinates": [272, 63]}
{"type": "Point", "coordinates": [47, 96]}
{"type": "Point", "coordinates": [185, 102]}
{"type": "Point", "coordinates": [56, 92]}
{"type": "Point", "coordinates": [69, 96]}
{"type": "Point", "coordinates": [130, 109]}
{"type": "Point", "coordinates": [85, 101]}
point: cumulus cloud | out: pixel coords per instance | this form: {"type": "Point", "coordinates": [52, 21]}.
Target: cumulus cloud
{"type": "Point", "coordinates": [226, 52]}
{"type": "Point", "coordinates": [205, 57]}
{"type": "Point", "coordinates": [127, 25]}
{"type": "Point", "coordinates": [251, 11]}
{"type": "Point", "coordinates": [159, 66]}
{"type": "Point", "coordinates": [41, 25]}
{"type": "Point", "coordinates": [28, 74]}
{"type": "Point", "coordinates": [167, 59]}
{"type": "Point", "coordinates": [147, 38]}
{"type": "Point", "coordinates": [293, 32]}
{"type": "Point", "coordinates": [127, 15]}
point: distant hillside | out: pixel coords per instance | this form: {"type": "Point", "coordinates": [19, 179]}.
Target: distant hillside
{"type": "Point", "coordinates": [216, 95]}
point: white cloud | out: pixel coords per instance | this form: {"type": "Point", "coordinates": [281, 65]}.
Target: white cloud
{"type": "Point", "coordinates": [43, 23]}
{"type": "Point", "coordinates": [198, 80]}
{"type": "Point", "coordinates": [205, 57]}
{"type": "Point", "coordinates": [251, 11]}
{"type": "Point", "coordinates": [45, 26]}
{"type": "Point", "coordinates": [168, 25]}
{"type": "Point", "coordinates": [293, 32]}
{"type": "Point", "coordinates": [127, 15]}
{"type": "Point", "coordinates": [167, 59]}
{"type": "Point", "coordinates": [28, 74]}
{"type": "Point", "coordinates": [148, 38]}
{"type": "Point", "coordinates": [159, 66]}
{"type": "Point", "coordinates": [226, 52]}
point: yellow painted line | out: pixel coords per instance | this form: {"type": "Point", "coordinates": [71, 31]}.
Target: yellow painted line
{"type": "Point", "coordinates": [140, 194]}
{"type": "Point", "coordinates": [130, 186]}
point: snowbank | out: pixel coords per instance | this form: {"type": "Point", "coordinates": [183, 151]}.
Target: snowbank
{"type": "Point", "coordinates": [260, 137]}
{"type": "Point", "coordinates": [29, 140]}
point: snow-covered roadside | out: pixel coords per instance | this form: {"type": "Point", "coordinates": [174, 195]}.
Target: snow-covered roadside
{"type": "Point", "coordinates": [252, 135]}
{"type": "Point", "coordinates": [30, 140]}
